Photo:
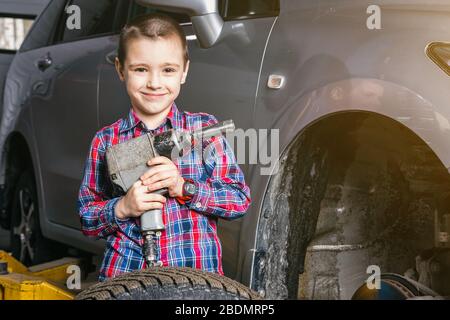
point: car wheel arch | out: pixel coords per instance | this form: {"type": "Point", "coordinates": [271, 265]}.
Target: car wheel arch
{"type": "Point", "coordinates": [279, 187]}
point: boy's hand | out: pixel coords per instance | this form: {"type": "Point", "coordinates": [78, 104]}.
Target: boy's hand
{"type": "Point", "coordinates": [137, 201]}
{"type": "Point", "coordinates": [163, 174]}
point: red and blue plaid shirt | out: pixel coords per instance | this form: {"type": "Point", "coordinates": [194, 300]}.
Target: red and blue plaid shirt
{"type": "Point", "coordinates": [190, 236]}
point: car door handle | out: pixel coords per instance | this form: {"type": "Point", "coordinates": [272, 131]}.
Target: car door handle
{"type": "Point", "coordinates": [44, 63]}
{"type": "Point", "coordinates": [111, 57]}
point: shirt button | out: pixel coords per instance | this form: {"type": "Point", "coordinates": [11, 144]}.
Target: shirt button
{"type": "Point", "coordinates": [198, 205]}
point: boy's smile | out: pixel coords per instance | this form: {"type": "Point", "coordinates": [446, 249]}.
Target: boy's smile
{"type": "Point", "coordinates": [153, 73]}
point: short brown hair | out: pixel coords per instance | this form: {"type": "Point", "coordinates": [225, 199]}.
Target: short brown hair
{"type": "Point", "coordinates": [152, 26]}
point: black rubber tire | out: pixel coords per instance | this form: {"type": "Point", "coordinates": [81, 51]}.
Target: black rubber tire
{"type": "Point", "coordinates": [43, 249]}
{"type": "Point", "coordinates": [168, 283]}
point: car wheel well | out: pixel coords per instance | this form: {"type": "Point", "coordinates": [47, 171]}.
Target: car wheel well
{"type": "Point", "coordinates": [17, 159]}
{"type": "Point", "coordinates": [302, 198]}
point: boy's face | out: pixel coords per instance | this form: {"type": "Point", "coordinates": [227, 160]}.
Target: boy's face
{"type": "Point", "coordinates": [153, 72]}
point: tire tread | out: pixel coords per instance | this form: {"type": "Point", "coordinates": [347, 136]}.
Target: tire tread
{"type": "Point", "coordinates": [169, 283]}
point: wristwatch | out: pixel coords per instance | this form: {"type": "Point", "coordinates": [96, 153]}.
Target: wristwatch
{"type": "Point", "coordinates": [189, 189]}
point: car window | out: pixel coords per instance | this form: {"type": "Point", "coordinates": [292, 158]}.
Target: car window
{"type": "Point", "coordinates": [42, 30]}
{"type": "Point", "coordinates": [246, 9]}
{"type": "Point", "coordinates": [95, 18]}
{"type": "Point", "coordinates": [13, 31]}
{"type": "Point", "coordinates": [137, 10]}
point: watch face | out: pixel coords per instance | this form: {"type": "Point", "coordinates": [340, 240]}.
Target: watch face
{"type": "Point", "coordinates": [189, 188]}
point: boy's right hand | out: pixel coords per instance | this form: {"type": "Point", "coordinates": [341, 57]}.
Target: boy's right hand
{"type": "Point", "coordinates": [137, 201]}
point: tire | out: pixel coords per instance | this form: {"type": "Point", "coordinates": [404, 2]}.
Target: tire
{"type": "Point", "coordinates": [28, 245]}
{"type": "Point", "coordinates": [168, 283]}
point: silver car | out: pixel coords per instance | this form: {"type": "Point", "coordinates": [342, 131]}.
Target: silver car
{"type": "Point", "coordinates": [352, 95]}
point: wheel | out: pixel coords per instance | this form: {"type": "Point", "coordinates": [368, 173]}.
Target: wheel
{"type": "Point", "coordinates": [174, 283]}
{"type": "Point", "coordinates": [27, 242]}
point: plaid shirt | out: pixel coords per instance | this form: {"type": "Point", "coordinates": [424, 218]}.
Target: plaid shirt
{"type": "Point", "coordinates": [190, 236]}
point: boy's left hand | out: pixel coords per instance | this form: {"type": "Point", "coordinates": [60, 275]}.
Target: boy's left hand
{"type": "Point", "coordinates": [163, 174]}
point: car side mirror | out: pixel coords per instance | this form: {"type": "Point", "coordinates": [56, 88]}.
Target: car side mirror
{"type": "Point", "coordinates": [204, 14]}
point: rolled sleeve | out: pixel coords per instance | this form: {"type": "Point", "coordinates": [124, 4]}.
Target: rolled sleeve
{"type": "Point", "coordinates": [110, 216]}
{"type": "Point", "coordinates": [96, 205]}
{"type": "Point", "coordinates": [224, 193]}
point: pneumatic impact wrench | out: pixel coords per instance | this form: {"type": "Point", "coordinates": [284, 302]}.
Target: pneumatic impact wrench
{"type": "Point", "coordinates": [127, 162]}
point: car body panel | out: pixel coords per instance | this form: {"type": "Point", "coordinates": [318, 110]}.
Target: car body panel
{"type": "Point", "coordinates": [5, 61]}
{"type": "Point", "coordinates": [65, 117]}
{"type": "Point", "coordinates": [317, 56]}
{"type": "Point", "coordinates": [365, 70]}
{"type": "Point", "coordinates": [18, 8]}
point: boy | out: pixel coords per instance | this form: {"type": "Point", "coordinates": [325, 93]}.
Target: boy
{"type": "Point", "coordinates": [153, 62]}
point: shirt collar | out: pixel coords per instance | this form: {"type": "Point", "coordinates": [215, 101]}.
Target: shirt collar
{"type": "Point", "coordinates": [174, 118]}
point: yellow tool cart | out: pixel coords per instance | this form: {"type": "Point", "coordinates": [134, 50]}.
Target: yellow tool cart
{"type": "Point", "coordinates": [45, 281]}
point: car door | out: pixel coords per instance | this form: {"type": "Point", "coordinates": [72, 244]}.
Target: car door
{"type": "Point", "coordinates": [16, 19]}
{"type": "Point", "coordinates": [65, 110]}
{"type": "Point", "coordinates": [222, 80]}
